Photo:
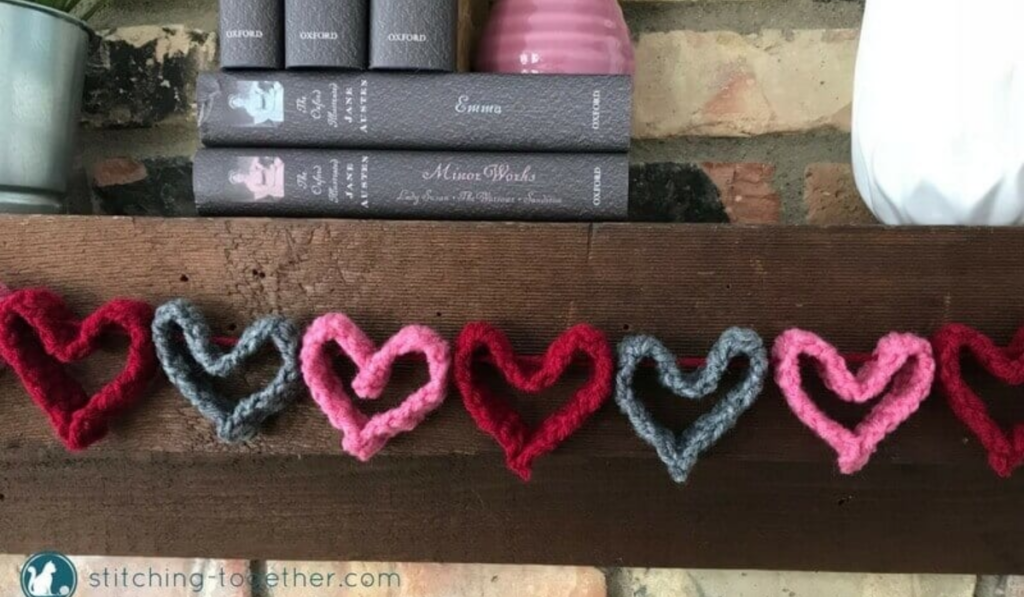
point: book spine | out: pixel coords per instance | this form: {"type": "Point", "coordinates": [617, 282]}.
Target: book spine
{"type": "Point", "coordinates": [251, 34]}
{"type": "Point", "coordinates": [418, 35]}
{"type": "Point", "coordinates": [416, 185]}
{"type": "Point", "coordinates": [477, 111]}
{"type": "Point", "coordinates": [326, 34]}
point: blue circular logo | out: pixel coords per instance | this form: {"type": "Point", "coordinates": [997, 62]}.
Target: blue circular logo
{"type": "Point", "coordinates": [48, 574]}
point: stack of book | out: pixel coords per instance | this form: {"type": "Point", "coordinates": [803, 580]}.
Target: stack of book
{"type": "Point", "coordinates": [310, 133]}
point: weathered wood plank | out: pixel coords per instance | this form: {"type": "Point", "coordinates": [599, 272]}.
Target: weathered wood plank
{"type": "Point", "coordinates": [767, 496]}
{"type": "Point", "coordinates": [579, 510]}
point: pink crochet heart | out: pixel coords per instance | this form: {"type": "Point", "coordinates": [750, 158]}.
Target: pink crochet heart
{"type": "Point", "coordinates": [364, 436]}
{"type": "Point", "coordinates": [903, 360]}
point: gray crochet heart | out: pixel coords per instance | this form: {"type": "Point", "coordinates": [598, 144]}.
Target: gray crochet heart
{"type": "Point", "coordinates": [681, 451]}
{"type": "Point", "coordinates": [191, 366]}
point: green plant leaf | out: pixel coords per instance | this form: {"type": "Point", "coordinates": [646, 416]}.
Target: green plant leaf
{"type": "Point", "coordinates": [80, 8]}
{"type": "Point", "coordinates": [96, 6]}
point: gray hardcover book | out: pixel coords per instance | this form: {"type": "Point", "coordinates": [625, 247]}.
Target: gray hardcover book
{"type": "Point", "coordinates": [410, 184]}
{"type": "Point", "coordinates": [326, 34]}
{"type": "Point", "coordinates": [460, 111]}
{"type": "Point", "coordinates": [414, 35]}
{"type": "Point", "coordinates": [251, 34]}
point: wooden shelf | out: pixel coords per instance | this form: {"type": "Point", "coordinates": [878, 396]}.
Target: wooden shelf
{"type": "Point", "coordinates": [768, 496]}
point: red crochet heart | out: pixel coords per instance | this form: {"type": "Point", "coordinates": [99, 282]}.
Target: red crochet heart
{"type": "Point", "coordinates": [39, 335]}
{"type": "Point", "coordinates": [1005, 452]}
{"type": "Point", "coordinates": [495, 415]}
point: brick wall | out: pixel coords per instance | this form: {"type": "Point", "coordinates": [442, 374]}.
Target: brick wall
{"type": "Point", "coordinates": [741, 114]}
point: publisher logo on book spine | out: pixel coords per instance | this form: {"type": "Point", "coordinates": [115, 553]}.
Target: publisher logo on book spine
{"type": "Point", "coordinates": [48, 574]}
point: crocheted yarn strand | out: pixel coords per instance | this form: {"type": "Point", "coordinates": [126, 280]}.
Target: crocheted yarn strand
{"type": "Point", "coordinates": [1005, 451]}
{"type": "Point", "coordinates": [364, 436]}
{"type": "Point", "coordinates": [495, 416]}
{"type": "Point", "coordinates": [680, 452]}
{"type": "Point", "coordinates": [59, 338]}
{"type": "Point", "coordinates": [191, 365]}
{"type": "Point", "coordinates": [901, 372]}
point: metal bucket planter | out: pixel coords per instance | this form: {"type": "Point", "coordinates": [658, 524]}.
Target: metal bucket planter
{"type": "Point", "coordinates": [42, 70]}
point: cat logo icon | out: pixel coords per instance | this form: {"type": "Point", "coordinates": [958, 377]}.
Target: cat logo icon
{"type": "Point", "coordinates": [48, 574]}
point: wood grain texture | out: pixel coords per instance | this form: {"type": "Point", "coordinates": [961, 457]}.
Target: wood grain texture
{"type": "Point", "coordinates": [768, 496]}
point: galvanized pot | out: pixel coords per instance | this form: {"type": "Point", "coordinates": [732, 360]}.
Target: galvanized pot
{"type": "Point", "coordinates": [42, 70]}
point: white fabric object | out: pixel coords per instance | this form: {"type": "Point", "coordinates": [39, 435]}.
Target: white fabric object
{"type": "Point", "coordinates": [938, 111]}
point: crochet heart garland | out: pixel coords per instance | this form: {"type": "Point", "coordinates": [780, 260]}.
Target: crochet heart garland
{"type": "Point", "coordinates": [680, 451]}
{"type": "Point", "coordinates": [192, 364]}
{"type": "Point", "coordinates": [364, 436]}
{"type": "Point", "coordinates": [1005, 451]}
{"type": "Point", "coordinates": [496, 417]}
{"type": "Point", "coordinates": [39, 335]}
{"type": "Point", "coordinates": [903, 360]}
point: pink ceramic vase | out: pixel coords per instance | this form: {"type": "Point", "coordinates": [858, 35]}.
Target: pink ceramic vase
{"type": "Point", "coordinates": [579, 37]}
